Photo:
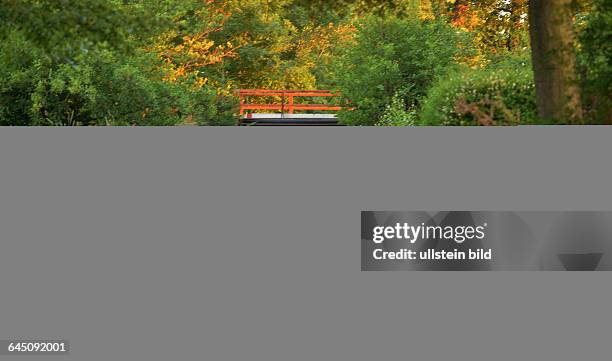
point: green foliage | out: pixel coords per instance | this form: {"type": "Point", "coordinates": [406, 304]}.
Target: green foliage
{"type": "Point", "coordinates": [166, 62]}
{"type": "Point", "coordinates": [304, 12]}
{"type": "Point", "coordinates": [392, 57]}
{"type": "Point", "coordinates": [595, 62]}
{"type": "Point", "coordinates": [398, 114]}
{"type": "Point", "coordinates": [501, 94]}
{"type": "Point", "coordinates": [102, 91]}
{"type": "Point", "coordinates": [85, 68]}
{"type": "Point", "coordinates": [265, 58]}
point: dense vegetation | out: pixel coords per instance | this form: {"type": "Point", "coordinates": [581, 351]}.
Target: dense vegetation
{"type": "Point", "coordinates": [396, 62]}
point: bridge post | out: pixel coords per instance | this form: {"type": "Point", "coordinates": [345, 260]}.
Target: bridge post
{"type": "Point", "coordinates": [283, 102]}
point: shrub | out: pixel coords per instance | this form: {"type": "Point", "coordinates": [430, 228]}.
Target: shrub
{"type": "Point", "coordinates": [502, 94]}
{"type": "Point", "coordinates": [98, 89]}
{"type": "Point", "coordinates": [398, 113]}
{"type": "Point", "coordinates": [595, 62]}
{"type": "Point", "coordinates": [83, 68]}
{"type": "Point", "coordinates": [391, 55]}
{"type": "Point", "coordinates": [18, 74]}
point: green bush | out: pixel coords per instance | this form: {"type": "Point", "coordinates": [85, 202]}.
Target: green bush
{"type": "Point", "coordinates": [595, 62]}
{"type": "Point", "coordinates": [501, 94]}
{"type": "Point", "coordinates": [391, 57]}
{"type": "Point", "coordinates": [98, 89]}
{"type": "Point", "coordinates": [18, 74]}
{"type": "Point", "coordinates": [398, 114]}
{"type": "Point", "coordinates": [85, 69]}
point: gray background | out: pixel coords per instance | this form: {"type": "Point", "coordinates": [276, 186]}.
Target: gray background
{"type": "Point", "coordinates": [244, 244]}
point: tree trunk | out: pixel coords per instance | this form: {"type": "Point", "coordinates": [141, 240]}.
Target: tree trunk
{"type": "Point", "coordinates": [554, 60]}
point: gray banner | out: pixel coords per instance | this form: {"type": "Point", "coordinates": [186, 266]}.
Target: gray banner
{"type": "Point", "coordinates": [484, 241]}
{"type": "Point", "coordinates": [241, 243]}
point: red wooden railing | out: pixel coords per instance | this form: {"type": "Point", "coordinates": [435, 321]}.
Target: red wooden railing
{"type": "Point", "coordinates": [287, 104]}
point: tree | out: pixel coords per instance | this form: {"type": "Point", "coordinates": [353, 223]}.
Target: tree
{"type": "Point", "coordinates": [499, 26]}
{"type": "Point", "coordinates": [554, 60]}
{"type": "Point", "coordinates": [80, 63]}
{"type": "Point", "coordinates": [392, 59]}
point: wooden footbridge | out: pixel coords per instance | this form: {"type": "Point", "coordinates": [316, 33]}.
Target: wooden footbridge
{"type": "Point", "coordinates": [256, 111]}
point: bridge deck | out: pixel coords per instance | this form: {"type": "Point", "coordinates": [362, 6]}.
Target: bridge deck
{"type": "Point", "coordinates": [289, 120]}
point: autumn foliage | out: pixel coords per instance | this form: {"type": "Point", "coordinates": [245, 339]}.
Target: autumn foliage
{"type": "Point", "coordinates": [397, 62]}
